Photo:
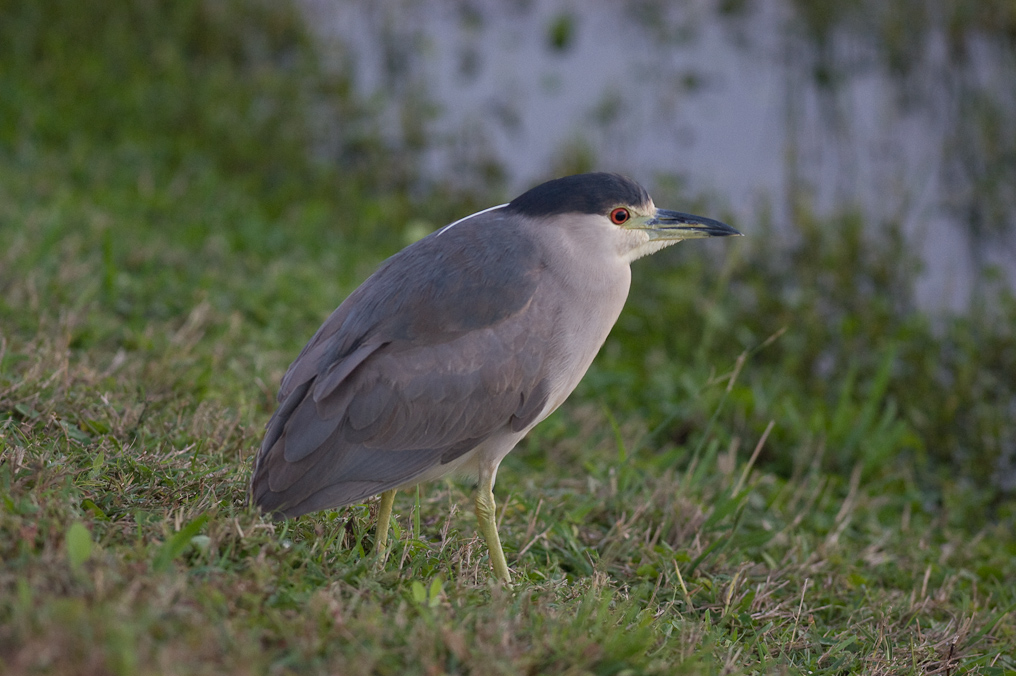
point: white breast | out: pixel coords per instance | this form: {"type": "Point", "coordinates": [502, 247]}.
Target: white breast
{"type": "Point", "coordinates": [588, 281]}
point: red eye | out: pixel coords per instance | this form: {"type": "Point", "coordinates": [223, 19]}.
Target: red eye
{"type": "Point", "coordinates": [619, 216]}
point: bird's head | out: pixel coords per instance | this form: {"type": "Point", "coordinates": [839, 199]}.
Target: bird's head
{"type": "Point", "coordinates": [620, 207]}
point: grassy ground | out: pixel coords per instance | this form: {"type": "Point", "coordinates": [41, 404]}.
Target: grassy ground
{"type": "Point", "coordinates": [775, 465]}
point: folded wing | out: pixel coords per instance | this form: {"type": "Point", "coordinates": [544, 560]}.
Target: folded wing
{"type": "Point", "coordinates": [430, 357]}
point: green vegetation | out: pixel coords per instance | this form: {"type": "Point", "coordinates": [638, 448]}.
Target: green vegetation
{"type": "Point", "coordinates": [775, 465]}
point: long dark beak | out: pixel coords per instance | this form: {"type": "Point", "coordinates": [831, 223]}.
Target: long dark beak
{"type": "Point", "coordinates": [675, 225]}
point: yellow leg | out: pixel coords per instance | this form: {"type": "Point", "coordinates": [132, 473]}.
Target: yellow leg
{"type": "Point", "coordinates": [384, 516]}
{"type": "Point", "coordinates": [485, 512]}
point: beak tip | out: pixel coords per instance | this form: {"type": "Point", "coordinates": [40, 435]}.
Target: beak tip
{"type": "Point", "coordinates": [723, 230]}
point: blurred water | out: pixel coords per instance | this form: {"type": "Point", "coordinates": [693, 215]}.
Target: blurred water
{"type": "Point", "coordinates": [727, 107]}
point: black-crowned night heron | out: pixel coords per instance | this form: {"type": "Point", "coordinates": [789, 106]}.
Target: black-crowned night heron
{"type": "Point", "coordinates": [457, 346]}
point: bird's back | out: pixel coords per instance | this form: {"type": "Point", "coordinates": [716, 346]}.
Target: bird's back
{"type": "Point", "coordinates": [447, 344]}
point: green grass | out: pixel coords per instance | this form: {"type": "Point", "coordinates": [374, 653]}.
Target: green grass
{"type": "Point", "coordinates": [775, 465]}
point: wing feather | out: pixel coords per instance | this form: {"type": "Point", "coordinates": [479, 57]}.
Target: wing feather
{"type": "Point", "coordinates": [443, 347]}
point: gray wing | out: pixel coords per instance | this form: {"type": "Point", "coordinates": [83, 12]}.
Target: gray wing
{"type": "Point", "coordinates": [444, 346]}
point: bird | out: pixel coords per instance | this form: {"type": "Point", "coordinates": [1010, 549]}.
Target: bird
{"type": "Point", "coordinates": [457, 346]}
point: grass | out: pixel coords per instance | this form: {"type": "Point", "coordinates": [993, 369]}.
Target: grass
{"type": "Point", "coordinates": [799, 480]}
